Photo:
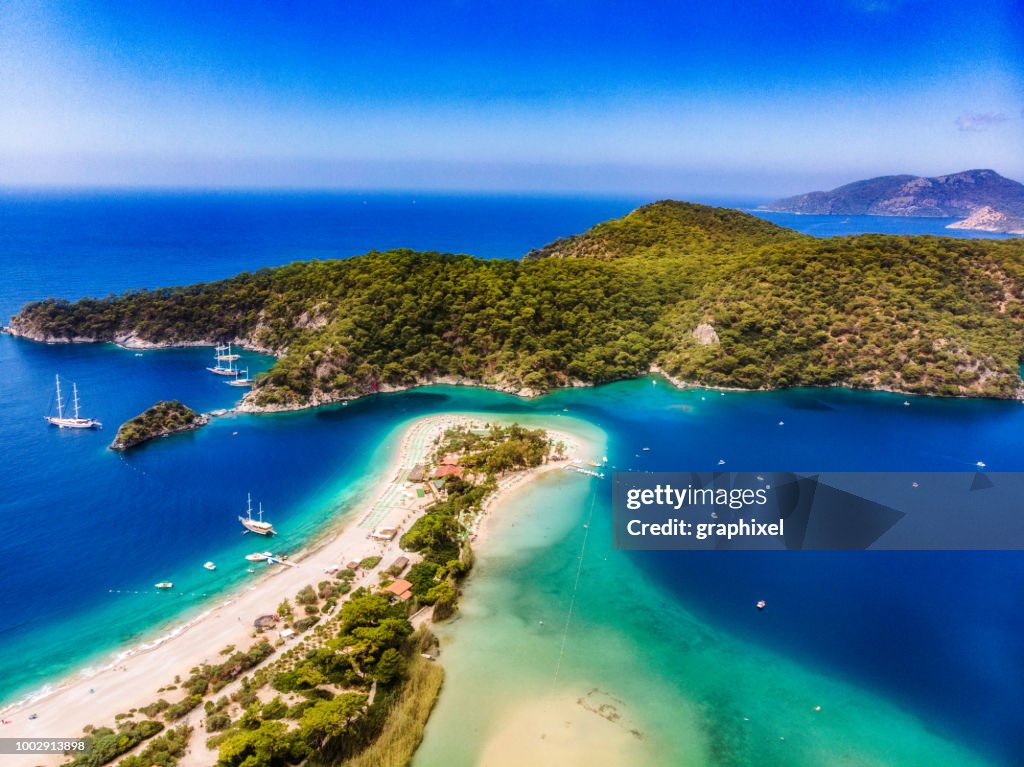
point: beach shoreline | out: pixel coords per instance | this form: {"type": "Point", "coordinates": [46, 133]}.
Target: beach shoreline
{"type": "Point", "coordinates": [135, 674]}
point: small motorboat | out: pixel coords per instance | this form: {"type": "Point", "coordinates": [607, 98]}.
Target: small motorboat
{"type": "Point", "coordinates": [647, 450]}
{"type": "Point", "coordinates": [164, 585]}
{"type": "Point", "coordinates": [761, 604]}
{"type": "Point", "coordinates": [259, 556]}
{"type": "Point", "coordinates": [980, 464]}
{"type": "Point", "coordinates": [721, 461]}
{"type": "Point", "coordinates": [210, 566]}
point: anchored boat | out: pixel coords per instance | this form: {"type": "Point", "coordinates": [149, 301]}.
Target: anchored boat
{"type": "Point", "coordinates": [224, 354]}
{"type": "Point", "coordinates": [76, 421]}
{"type": "Point", "coordinates": [257, 526]}
{"type": "Point", "coordinates": [221, 356]}
{"type": "Point", "coordinates": [241, 379]}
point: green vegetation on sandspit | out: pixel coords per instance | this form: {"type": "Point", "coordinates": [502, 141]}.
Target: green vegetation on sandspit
{"type": "Point", "coordinates": [328, 697]}
{"type": "Point", "coordinates": [708, 295]}
{"type": "Point", "coordinates": [358, 685]}
{"type": "Point", "coordinates": [403, 728]}
{"type": "Point", "coordinates": [439, 536]}
{"type": "Point", "coordinates": [166, 417]}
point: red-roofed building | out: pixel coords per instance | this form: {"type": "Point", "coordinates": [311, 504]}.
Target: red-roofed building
{"type": "Point", "coordinates": [448, 471]}
{"type": "Point", "coordinates": [400, 588]}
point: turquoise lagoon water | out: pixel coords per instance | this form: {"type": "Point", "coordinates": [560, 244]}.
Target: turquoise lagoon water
{"type": "Point", "coordinates": [930, 643]}
{"type": "Point", "coordinates": [680, 690]}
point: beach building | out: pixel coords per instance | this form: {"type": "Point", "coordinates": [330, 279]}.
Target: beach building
{"type": "Point", "coordinates": [448, 470]}
{"type": "Point", "coordinates": [418, 473]}
{"type": "Point", "coordinates": [265, 622]}
{"type": "Point", "coordinates": [353, 565]}
{"type": "Point", "coordinates": [401, 589]}
{"type": "Point", "coordinates": [384, 533]}
{"type": "Point", "coordinates": [399, 565]}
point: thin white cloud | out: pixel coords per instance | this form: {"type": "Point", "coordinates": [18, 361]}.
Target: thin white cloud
{"type": "Point", "coordinates": [973, 122]}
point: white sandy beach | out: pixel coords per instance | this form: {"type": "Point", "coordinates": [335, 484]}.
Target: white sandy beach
{"type": "Point", "coordinates": [133, 681]}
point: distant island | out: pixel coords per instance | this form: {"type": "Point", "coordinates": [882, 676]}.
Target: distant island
{"type": "Point", "coordinates": [707, 296]}
{"type": "Point", "coordinates": [982, 199]}
{"type": "Point", "coordinates": [163, 418]}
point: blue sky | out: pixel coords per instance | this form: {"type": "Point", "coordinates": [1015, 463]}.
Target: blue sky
{"type": "Point", "coordinates": [706, 98]}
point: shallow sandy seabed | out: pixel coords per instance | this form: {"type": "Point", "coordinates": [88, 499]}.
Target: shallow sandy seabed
{"type": "Point", "coordinates": [564, 729]}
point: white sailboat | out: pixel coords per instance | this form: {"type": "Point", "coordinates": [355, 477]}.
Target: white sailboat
{"type": "Point", "coordinates": [224, 354]}
{"type": "Point", "coordinates": [242, 379]}
{"type": "Point", "coordinates": [76, 421]}
{"type": "Point", "coordinates": [257, 526]}
{"type": "Point", "coordinates": [221, 356]}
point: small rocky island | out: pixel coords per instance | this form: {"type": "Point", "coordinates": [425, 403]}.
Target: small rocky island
{"type": "Point", "coordinates": [161, 419]}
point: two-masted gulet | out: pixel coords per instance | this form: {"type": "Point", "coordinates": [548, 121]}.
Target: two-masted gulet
{"type": "Point", "coordinates": [76, 421]}
{"type": "Point", "coordinates": [221, 356]}
{"type": "Point", "coordinates": [257, 526]}
{"type": "Point", "coordinates": [241, 379]}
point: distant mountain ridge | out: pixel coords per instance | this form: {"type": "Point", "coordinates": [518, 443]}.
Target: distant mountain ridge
{"type": "Point", "coordinates": [998, 201]}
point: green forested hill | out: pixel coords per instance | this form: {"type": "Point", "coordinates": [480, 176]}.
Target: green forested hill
{"type": "Point", "coordinates": [670, 229]}
{"type": "Point", "coordinates": [770, 307]}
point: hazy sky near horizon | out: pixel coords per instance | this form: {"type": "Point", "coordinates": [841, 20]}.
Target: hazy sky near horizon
{"type": "Point", "coordinates": [757, 98]}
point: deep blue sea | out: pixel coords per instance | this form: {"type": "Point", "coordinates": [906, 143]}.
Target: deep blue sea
{"type": "Point", "coordinates": [87, 532]}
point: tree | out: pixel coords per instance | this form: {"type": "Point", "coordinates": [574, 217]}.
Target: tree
{"type": "Point", "coordinates": [306, 596]}
{"type": "Point", "coordinates": [421, 576]}
{"type": "Point", "coordinates": [442, 592]}
{"type": "Point", "coordinates": [391, 666]}
{"type": "Point", "coordinates": [363, 610]}
{"type": "Point", "coordinates": [330, 718]}
{"type": "Point", "coordinates": [270, 745]}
